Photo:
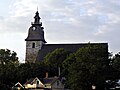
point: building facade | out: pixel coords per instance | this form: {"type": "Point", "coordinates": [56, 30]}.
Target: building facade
{"type": "Point", "coordinates": [52, 83]}
{"type": "Point", "coordinates": [37, 48]}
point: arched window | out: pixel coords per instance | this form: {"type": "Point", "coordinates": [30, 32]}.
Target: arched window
{"type": "Point", "coordinates": [33, 45]}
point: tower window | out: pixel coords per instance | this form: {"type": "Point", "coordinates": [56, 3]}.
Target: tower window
{"type": "Point", "coordinates": [33, 45]}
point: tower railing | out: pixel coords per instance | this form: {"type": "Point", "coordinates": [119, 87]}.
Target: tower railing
{"type": "Point", "coordinates": [36, 23]}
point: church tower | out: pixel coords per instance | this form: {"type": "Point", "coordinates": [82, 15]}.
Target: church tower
{"type": "Point", "coordinates": [35, 39]}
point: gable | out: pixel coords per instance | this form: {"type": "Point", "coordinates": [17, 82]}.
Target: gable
{"type": "Point", "coordinates": [33, 83]}
{"type": "Point", "coordinates": [37, 81]}
{"type": "Point", "coordinates": [18, 85]}
{"type": "Point", "coordinates": [53, 82]}
{"type": "Point", "coordinates": [57, 84]}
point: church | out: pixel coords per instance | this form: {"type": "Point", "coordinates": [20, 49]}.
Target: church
{"type": "Point", "coordinates": [37, 48]}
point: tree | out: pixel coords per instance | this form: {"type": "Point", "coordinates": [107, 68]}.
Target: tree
{"type": "Point", "coordinates": [67, 63]}
{"type": "Point", "coordinates": [8, 75]}
{"type": "Point", "coordinates": [116, 61]}
{"type": "Point", "coordinates": [26, 71]}
{"type": "Point", "coordinates": [8, 68]}
{"type": "Point", "coordinates": [55, 59]}
{"type": "Point", "coordinates": [88, 67]}
{"type": "Point", "coordinates": [6, 56]}
{"type": "Point", "coordinates": [115, 67]}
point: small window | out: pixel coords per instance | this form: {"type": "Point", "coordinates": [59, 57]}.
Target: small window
{"type": "Point", "coordinates": [57, 83]}
{"type": "Point", "coordinates": [33, 45]}
{"type": "Point", "coordinates": [37, 82]}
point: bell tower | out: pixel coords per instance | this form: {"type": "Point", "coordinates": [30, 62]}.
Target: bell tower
{"type": "Point", "coordinates": [35, 39]}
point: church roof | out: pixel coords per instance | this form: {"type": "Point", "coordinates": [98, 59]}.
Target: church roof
{"type": "Point", "coordinates": [47, 48]}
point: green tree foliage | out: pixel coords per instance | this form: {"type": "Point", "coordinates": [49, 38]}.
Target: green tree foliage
{"type": "Point", "coordinates": [8, 63]}
{"type": "Point", "coordinates": [31, 70]}
{"type": "Point", "coordinates": [67, 63]}
{"type": "Point", "coordinates": [7, 75]}
{"type": "Point", "coordinates": [115, 67]}
{"type": "Point", "coordinates": [55, 59]}
{"type": "Point", "coordinates": [11, 71]}
{"type": "Point", "coordinates": [6, 56]}
{"type": "Point", "coordinates": [87, 68]}
{"type": "Point", "coordinates": [116, 61]}
{"type": "Point", "coordinates": [11, 74]}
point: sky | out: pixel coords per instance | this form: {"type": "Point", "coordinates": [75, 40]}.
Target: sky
{"type": "Point", "coordinates": [64, 21]}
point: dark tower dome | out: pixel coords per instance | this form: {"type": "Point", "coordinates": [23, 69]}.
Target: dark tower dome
{"type": "Point", "coordinates": [36, 31]}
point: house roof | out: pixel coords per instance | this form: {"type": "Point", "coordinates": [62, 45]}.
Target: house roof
{"type": "Point", "coordinates": [31, 81]}
{"type": "Point", "coordinates": [18, 85]}
{"type": "Point", "coordinates": [49, 80]}
{"type": "Point", "coordinates": [47, 48]}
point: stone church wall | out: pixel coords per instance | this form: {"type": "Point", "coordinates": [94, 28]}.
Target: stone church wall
{"type": "Point", "coordinates": [32, 48]}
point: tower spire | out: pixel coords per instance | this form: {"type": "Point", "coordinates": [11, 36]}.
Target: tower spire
{"type": "Point", "coordinates": [37, 8]}
{"type": "Point", "coordinates": [37, 18]}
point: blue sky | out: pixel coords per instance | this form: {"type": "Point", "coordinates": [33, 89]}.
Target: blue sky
{"type": "Point", "coordinates": [4, 5]}
{"type": "Point", "coordinates": [65, 21]}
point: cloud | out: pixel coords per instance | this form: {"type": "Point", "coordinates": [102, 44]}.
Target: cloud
{"type": "Point", "coordinates": [66, 21]}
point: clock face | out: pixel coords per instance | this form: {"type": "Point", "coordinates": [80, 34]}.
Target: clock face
{"type": "Point", "coordinates": [33, 28]}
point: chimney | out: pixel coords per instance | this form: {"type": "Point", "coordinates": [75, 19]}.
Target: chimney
{"type": "Point", "coordinates": [46, 75]}
{"type": "Point", "coordinates": [59, 72]}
